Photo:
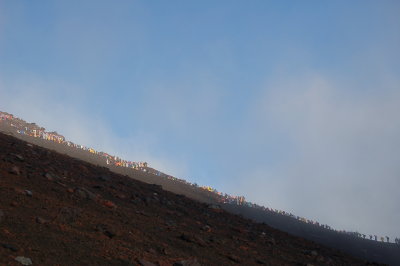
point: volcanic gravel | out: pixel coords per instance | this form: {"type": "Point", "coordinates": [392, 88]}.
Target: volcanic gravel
{"type": "Point", "coordinates": [57, 210]}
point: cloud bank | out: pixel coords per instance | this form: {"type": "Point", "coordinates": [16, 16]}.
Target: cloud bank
{"type": "Point", "coordinates": [341, 162]}
{"type": "Point", "coordinates": [62, 107]}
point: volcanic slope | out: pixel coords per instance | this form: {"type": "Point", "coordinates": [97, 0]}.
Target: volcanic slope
{"type": "Point", "coordinates": [57, 210]}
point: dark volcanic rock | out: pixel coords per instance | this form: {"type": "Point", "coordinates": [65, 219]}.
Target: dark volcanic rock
{"type": "Point", "coordinates": [143, 262]}
{"type": "Point", "coordinates": [40, 220]}
{"type": "Point", "coordinates": [15, 170]}
{"type": "Point", "coordinates": [85, 194]}
{"type": "Point", "coordinates": [189, 262]}
{"type": "Point", "coordinates": [105, 230]}
{"type": "Point", "coordinates": [234, 258]}
{"type": "Point", "coordinates": [10, 247]}
{"type": "Point", "coordinates": [24, 260]}
{"type": "Point", "coordinates": [50, 176]}
{"type": "Point", "coordinates": [18, 156]}
{"type": "Point", "coordinates": [66, 223]}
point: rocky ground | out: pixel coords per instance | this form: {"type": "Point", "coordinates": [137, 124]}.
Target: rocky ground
{"type": "Point", "coordinates": [57, 210]}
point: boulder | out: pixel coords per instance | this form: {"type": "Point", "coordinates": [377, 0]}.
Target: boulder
{"type": "Point", "coordinates": [24, 260]}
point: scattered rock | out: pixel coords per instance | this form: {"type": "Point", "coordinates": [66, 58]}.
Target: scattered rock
{"type": "Point", "coordinates": [193, 239]}
{"type": "Point", "coordinates": [246, 245]}
{"type": "Point", "coordinates": [206, 228]}
{"type": "Point", "coordinates": [165, 251]}
{"type": "Point", "coordinates": [271, 240]}
{"type": "Point", "coordinates": [233, 258]}
{"type": "Point", "coordinates": [121, 196]}
{"type": "Point", "coordinates": [23, 260]}
{"type": "Point", "coordinates": [312, 253]}
{"type": "Point", "coordinates": [105, 230]}
{"type": "Point", "coordinates": [187, 238]}
{"type": "Point", "coordinates": [109, 233]}
{"type": "Point", "coordinates": [61, 184]}
{"type": "Point", "coordinates": [18, 156]}
{"type": "Point", "coordinates": [15, 170]}
{"type": "Point", "coordinates": [200, 241]}
{"type": "Point", "coordinates": [143, 262]}
{"type": "Point", "coordinates": [85, 194]}
{"type": "Point", "coordinates": [189, 262]}
{"type": "Point", "coordinates": [40, 220]}
{"type": "Point", "coordinates": [10, 247]}
{"type": "Point", "coordinates": [143, 213]}
{"type": "Point", "coordinates": [109, 204]}
{"type": "Point", "coordinates": [260, 261]}
{"type": "Point", "coordinates": [50, 176]}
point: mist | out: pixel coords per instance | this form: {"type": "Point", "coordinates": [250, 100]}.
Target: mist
{"type": "Point", "coordinates": [295, 107]}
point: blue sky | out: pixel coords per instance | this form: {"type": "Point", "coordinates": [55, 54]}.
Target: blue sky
{"type": "Point", "coordinates": [293, 104]}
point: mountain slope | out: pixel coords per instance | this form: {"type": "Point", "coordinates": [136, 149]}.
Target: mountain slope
{"type": "Point", "coordinates": [57, 210]}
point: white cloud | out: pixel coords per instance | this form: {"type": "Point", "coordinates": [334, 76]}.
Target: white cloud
{"type": "Point", "coordinates": [341, 166]}
{"type": "Point", "coordinates": [62, 107]}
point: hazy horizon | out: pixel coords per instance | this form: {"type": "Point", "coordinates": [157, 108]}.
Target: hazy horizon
{"type": "Point", "coordinates": [293, 105]}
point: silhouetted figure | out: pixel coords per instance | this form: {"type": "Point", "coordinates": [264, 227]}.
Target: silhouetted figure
{"type": "Point", "coordinates": [387, 239]}
{"type": "Point", "coordinates": [364, 236]}
{"type": "Point", "coordinates": [375, 238]}
{"type": "Point", "coordinates": [370, 237]}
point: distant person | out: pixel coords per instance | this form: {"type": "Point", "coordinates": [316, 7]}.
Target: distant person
{"type": "Point", "coordinates": [370, 237]}
{"type": "Point", "coordinates": [375, 238]}
{"type": "Point", "coordinates": [387, 239]}
{"type": "Point", "coordinates": [382, 239]}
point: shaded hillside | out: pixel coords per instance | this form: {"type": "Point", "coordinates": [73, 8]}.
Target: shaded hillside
{"type": "Point", "coordinates": [376, 251]}
{"type": "Point", "coordinates": [363, 248]}
{"type": "Point", "coordinates": [57, 210]}
{"type": "Point", "coordinates": [170, 185]}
